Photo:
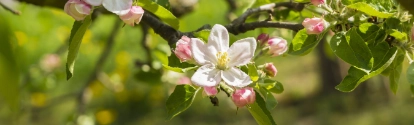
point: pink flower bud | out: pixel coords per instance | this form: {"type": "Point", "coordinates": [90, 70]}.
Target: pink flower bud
{"type": "Point", "coordinates": [277, 46]}
{"type": "Point", "coordinates": [317, 2]}
{"type": "Point", "coordinates": [270, 69]}
{"type": "Point", "coordinates": [77, 9]}
{"type": "Point", "coordinates": [210, 91]}
{"type": "Point", "coordinates": [133, 16]}
{"type": "Point", "coordinates": [183, 49]}
{"type": "Point", "coordinates": [243, 97]}
{"type": "Point", "coordinates": [50, 62]}
{"type": "Point", "coordinates": [262, 38]}
{"type": "Point", "coordinates": [314, 25]}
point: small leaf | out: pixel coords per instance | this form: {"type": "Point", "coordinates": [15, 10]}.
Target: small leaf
{"type": "Point", "coordinates": [303, 43]}
{"type": "Point", "coordinates": [203, 35]}
{"type": "Point", "coordinates": [253, 72]}
{"type": "Point", "coordinates": [395, 71]}
{"type": "Point", "coordinates": [410, 74]}
{"type": "Point", "coordinates": [179, 101]}
{"type": "Point", "coordinates": [398, 35]}
{"type": "Point", "coordinates": [260, 113]}
{"type": "Point", "coordinates": [271, 101]}
{"type": "Point", "coordinates": [78, 30]}
{"type": "Point", "coordinates": [179, 70]}
{"type": "Point", "coordinates": [173, 61]}
{"type": "Point", "coordinates": [352, 49]}
{"type": "Point", "coordinates": [164, 14]}
{"type": "Point", "coordinates": [368, 9]}
{"type": "Point", "coordinates": [272, 85]}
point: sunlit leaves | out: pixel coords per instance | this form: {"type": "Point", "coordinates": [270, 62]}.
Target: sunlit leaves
{"type": "Point", "coordinates": [303, 43]}
{"type": "Point", "coordinates": [410, 74]}
{"type": "Point", "coordinates": [260, 113]}
{"type": "Point", "coordinates": [272, 85]}
{"type": "Point", "coordinates": [164, 14]}
{"type": "Point", "coordinates": [352, 49]}
{"type": "Point", "coordinates": [368, 9]}
{"type": "Point", "coordinates": [252, 72]}
{"type": "Point", "coordinates": [395, 71]}
{"type": "Point", "coordinates": [182, 98]}
{"type": "Point", "coordinates": [78, 30]}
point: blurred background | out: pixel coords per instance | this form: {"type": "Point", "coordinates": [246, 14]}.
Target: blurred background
{"type": "Point", "coordinates": [118, 78]}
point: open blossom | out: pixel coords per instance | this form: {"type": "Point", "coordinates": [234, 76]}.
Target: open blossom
{"type": "Point", "coordinates": [183, 49]}
{"type": "Point", "coordinates": [314, 25]}
{"type": "Point", "coordinates": [77, 9]}
{"type": "Point", "coordinates": [317, 2]}
{"type": "Point", "coordinates": [133, 16]}
{"type": "Point", "coordinates": [270, 69]}
{"type": "Point", "coordinates": [277, 46]}
{"type": "Point", "coordinates": [210, 91]}
{"type": "Point", "coordinates": [119, 7]}
{"type": "Point", "coordinates": [219, 61]}
{"type": "Point", "coordinates": [243, 97]}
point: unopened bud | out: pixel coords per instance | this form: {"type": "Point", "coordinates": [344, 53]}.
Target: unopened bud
{"type": "Point", "coordinates": [270, 69]}
{"type": "Point", "coordinates": [243, 97]}
{"type": "Point", "coordinates": [210, 91]}
{"type": "Point", "coordinates": [77, 9]}
{"type": "Point", "coordinates": [314, 25]}
{"type": "Point", "coordinates": [183, 49]}
{"type": "Point", "coordinates": [277, 46]}
{"type": "Point", "coordinates": [262, 38]}
{"type": "Point", "coordinates": [133, 16]}
{"type": "Point", "coordinates": [317, 2]}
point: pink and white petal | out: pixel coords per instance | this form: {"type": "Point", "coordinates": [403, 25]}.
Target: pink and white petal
{"type": "Point", "coordinates": [83, 8]}
{"type": "Point", "coordinates": [200, 52]}
{"type": "Point", "coordinates": [218, 40]}
{"type": "Point", "coordinates": [241, 51]}
{"type": "Point", "coordinates": [94, 2]}
{"type": "Point", "coordinates": [235, 77]}
{"type": "Point", "coordinates": [206, 76]}
{"type": "Point", "coordinates": [119, 7]}
{"type": "Point", "coordinates": [210, 91]}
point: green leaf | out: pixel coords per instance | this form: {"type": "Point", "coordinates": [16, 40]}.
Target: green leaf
{"type": "Point", "coordinates": [78, 30]}
{"type": "Point", "coordinates": [395, 71]}
{"type": "Point", "coordinates": [303, 43]}
{"type": "Point", "coordinates": [368, 31]}
{"type": "Point", "coordinates": [180, 70]}
{"type": "Point", "coordinates": [272, 85]}
{"type": "Point", "coordinates": [356, 76]}
{"type": "Point", "coordinates": [164, 14]}
{"type": "Point", "coordinates": [270, 100]}
{"type": "Point", "coordinates": [179, 101]}
{"type": "Point", "coordinates": [368, 9]}
{"type": "Point", "coordinates": [352, 49]}
{"type": "Point", "coordinates": [253, 72]}
{"type": "Point", "coordinates": [410, 74]}
{"type": "Point", "coordinates": [173, 61]}
{"type": "Point", "coordinates": [260, 113]}
{"type": "Point", "coordinates": [398, 35]}
{"type": "Point", "coordinates": [203, 35]}
{"type": "Point", "coordinates": [392, 23]}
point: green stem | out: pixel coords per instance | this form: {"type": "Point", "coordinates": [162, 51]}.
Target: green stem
{"type": "Point", "coordinates": [226, 88]}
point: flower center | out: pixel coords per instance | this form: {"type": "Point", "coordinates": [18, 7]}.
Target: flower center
{"type": "Point", "coordinates": [223, 59]}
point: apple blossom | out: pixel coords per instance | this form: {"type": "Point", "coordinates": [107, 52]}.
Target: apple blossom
{"type": "Point", "coordinates": [183, 49]}
{"type": "Point", "coordinates": [317, 2]}
{"type": "Point", "coordinates": [77, 9]}
{"type": "Point", "coordinates": [119, 7]}
{"type": "Point", "coordinates": [314, 25]}
{"type": "Point", "coordinates": [133, 16]}
{"type": "Point", "coordinates": [210, 91]}
{"type": "Point", "coordinates": [219, 61]}
{"type": "Point", "coordinates": [244, 96]}
{"type": "Point", "coordinates": [270, 69]}
{"type": "Point", "coordinates": [277, 46]}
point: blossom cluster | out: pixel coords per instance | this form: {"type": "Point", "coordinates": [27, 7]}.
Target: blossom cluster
{"type": "Point", "coordinates": [125, 9]}
{"type": "Point", "coordinates": [219, 62]}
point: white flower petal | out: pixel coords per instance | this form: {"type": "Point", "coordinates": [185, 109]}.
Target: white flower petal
{"type": "Point", "coordinates": [235, 77]}
{"type": "Point", "coordinates": [206, 75]}
{"type": "Point", "coordinates": [94, 2]}
{"type": "Point", "coordinates": [119, 7]}
{"type": "Point", "coordinates": [200, 52]}
{"type": "Point", "coordinates": [242, 51]}
{"type": "Point", "coordinates": [218, 40]}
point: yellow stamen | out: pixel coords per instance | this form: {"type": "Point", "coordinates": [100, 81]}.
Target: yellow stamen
{"type": "Point", "coordinates": [223, 59]}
